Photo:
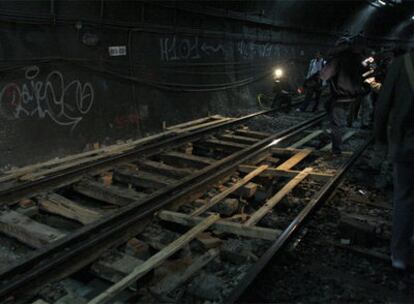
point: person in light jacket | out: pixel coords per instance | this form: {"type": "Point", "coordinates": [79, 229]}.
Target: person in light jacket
{"type": "Point", "coordinates": [313, 84]}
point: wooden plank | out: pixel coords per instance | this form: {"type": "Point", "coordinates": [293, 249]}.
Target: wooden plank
{"type": "Point", "coordinates": [294, 160]}
{"type": "Point", "coordinates": [272, 172]}
{"type": "Point", "coordinates": [141, 179]}
{"type": "Point", "coordinates": [219, 197]}
{"type": "Point", "coordinates": [154, 261]}
{"type": "Point", "coordinates": [346, 136]}
{"type": "Point", "coordinates": [274, 200]}
{"type": "Point", "coordinates": [254, 134]}
{"type": "Point", "coordinates": [27, 169]}
{"type": "Point", "coordinates": [306, 139]}
{"type": "Point", "coordinates": [42, 173]}
{"type": "Point", "coordinates": [238, 139]}
{"type": "Point", "coordinates": [172, 282]}
{"type": "Point", "coordinates": [222, 226]}
{"type": "Point", "coordinates": [203, 125]}
{"type": "Point", "coordinates": [189, 123]}
{"type": "Point", "coordinates": [57, 204]}
{"type": "Point", "coordinates": [115, 267]}
{"type": "Point", "coordinates": [164, 169]}
{"type": "Point", "coordinates": [90, 155]}
{"type": "Point", "coordinates": [26, 230]}
{"type": "Point", "coordinates": [221, 145]}
{"type": "Point", "coordinates": [186, 160]}
{"type": "Point", "coordinates": [109, 194]}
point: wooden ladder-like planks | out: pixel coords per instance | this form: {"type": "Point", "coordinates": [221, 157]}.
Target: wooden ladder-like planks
{"type": "Point", "coordinates": [221, 225]}
{"type": "Point", "coordinates": [294, 160]}
{"type": "Point", "coordinates": [155, 260]}
{"type": "Point", "coordinates": [274, 200]}
{"type": "Point", "coordinates": [219, 197]}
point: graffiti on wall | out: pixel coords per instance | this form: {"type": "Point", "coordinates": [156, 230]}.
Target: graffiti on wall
{"type": "Point", "coordinates": [252, 50]}
{"type": "Point", "coordinates": [174, 48]}
{"type": "Point", "coordinates": [52, 97]}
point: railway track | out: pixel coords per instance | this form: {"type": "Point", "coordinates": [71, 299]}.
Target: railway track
{"type": "Point", "coordinates": [205, 207]}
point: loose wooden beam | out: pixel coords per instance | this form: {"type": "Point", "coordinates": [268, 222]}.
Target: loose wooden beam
{"type": "Point", "coordinates": [222, 226]}
{"type": "Point", "coordinates": [294, 160]}
{"type": "Point", "coordinates": [155, 260]}
{"type": "Point", "coordinates": [216, 199]}
{"type": "Point", "coordinates": [26, 230]}
{"type": "Point", "coordinates": [189, 123]}
{"type": "Point", "coordinates": [306, 139]}
{"type": "Point", "coordinates": [57, 204]}
{"type": "Point", "coordinates": [274, 200]}
{"type": "Point", "coordinates": [38, 174]}
{"type": "Point", "coordinates": [346, 136]}
{"type": "Point", "coordinates": [271, 172]}
{"type": "Point", "coordinates": [172, 282]}
{"type": "Point", "coordinates": [186, 160]}
{"type": "Point", "coordinates": [110, 194]}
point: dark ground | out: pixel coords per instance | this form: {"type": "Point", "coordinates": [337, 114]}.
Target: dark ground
{"type": "Point", "coordinates": [321, 268]}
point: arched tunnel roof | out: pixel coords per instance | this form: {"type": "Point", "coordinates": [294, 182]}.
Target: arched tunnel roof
{"type": "Point", "coordinates": [391, 19]}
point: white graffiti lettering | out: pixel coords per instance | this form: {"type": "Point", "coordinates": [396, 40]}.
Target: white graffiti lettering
{"type": "Point", "coordinates": [173, 49]}
{"type": "Point", "coordinates": [251, 50]}
{"type": "Point", "coordinates": [63, 103]}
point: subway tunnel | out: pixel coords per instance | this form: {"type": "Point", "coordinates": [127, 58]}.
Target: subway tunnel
{"type": "Point", "coordinates": [188, 152]}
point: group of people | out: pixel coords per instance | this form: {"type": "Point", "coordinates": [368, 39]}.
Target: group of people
{"type": "Point", "coordinates": [392, 93]}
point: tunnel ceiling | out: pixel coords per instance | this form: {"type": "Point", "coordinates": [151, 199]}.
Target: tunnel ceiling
{"type": "Point", "coordinates": [377, 18]}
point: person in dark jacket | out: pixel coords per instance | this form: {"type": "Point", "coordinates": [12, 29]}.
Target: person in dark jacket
{"type": "Point", "coordinates": [344, 74]}
{"type": "Point", "coordinates": [394, 122]}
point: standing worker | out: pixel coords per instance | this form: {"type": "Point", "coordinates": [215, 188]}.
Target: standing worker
{"type": "Point", "coordinates": [394, 120]}
{"type": "Point", "coordinates": [344, 74]}
{"type": "Point", "coordinates": [313, 84]}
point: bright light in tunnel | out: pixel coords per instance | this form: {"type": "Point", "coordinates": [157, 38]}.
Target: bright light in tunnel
{"type": "Point", "coordinates": [382, 2]}
{"type": "Point", "coordinates": [278, 73]}
{"type": "Point", "coordinates": [412, 17]}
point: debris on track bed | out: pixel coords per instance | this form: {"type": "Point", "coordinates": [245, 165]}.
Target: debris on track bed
{"type": "Point", "coordinates": [342, 256]}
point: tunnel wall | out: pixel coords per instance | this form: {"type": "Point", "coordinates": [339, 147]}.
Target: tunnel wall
{"type": "Point", "coordinates": [76, 73]}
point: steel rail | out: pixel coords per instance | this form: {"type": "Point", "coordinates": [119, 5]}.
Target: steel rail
{"type": "Point", "coordinates": [17, 191]}
{"type": "Point", "coordinates": [322, 196]}
{"type": "Point", "coordinates": [46, 261]}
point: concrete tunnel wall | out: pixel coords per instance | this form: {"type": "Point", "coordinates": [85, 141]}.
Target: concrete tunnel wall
{"type": "Point", "coordinates": [61, 89]}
